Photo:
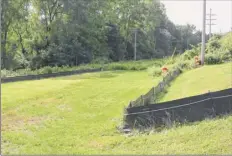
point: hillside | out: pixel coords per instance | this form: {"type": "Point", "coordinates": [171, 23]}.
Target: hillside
{"type": "Point", "coordinates": [80, 115]}
{"type": "Point", "coordinates": [199, 81]}
{"type": "Point", "coordinates": [130, 43]}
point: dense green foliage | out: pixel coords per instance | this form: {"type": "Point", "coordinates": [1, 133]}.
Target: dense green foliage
{"type": "Point", "coordinates": [39, 33]}
{"type": "Point", "coordinates": [218, 50]}
{"type": "Point", "coordinates": [122, 65]}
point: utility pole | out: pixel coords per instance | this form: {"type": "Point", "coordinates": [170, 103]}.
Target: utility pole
{"type": "Point", "coordinates": [135, 31]}
{"type": "Point", "coordinates": [203, 33]}
{"type": "Point", "coordinates": [135, 50]}
{"type": "Point", "coordinates": [210, 22]}
{"type": "Point", "coordinates": [135, 44]}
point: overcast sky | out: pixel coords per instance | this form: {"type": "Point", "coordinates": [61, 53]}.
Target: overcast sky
{"type": "Point", "coordinates": [190, 11]}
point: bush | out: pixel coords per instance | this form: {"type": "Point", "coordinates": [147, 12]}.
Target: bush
{"type": "Point", "coordinates": [8, 73]}
{"type": "Point", "coordinates": [132, 65]}
{"type": "Point", "coordinates": [225, 55]}
{"type": "Point", "coordinates": [185, 64]}
{"type": "Point", "coordinates": [129, 65]}
{"type": "Point", "coordinates": [214, 44]}
{"type": "Point", "coordinates": [217, 57]}
{"type": "Point", "coordinates": [189, 54]}
{"type": "Point", "coordinates": [45, 70]}
{"type": "Point", "coordinates": [101, 60]}
{"type": "Point", "coordinates": [212, 59]}
{"type": "Point", "coordinates": [154, 71]}
{"type": "Point", "coordinates": [226, 42]}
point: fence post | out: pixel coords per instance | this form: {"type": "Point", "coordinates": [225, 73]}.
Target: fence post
{"type": "Point", "coordinates": [142, 100]}
{"type": "Point", "coordinates": [155, 89]}
{"type": "Point", "coordinates": [124, 116]}
{"type": "Point", "coordinates": [213, 105]}
{"type": "Point", "coordinates": [130, 104]}
{"type": "Point", "coordinates": [160, 87]}
{"type": "Point", "coordinates": [153, 93]}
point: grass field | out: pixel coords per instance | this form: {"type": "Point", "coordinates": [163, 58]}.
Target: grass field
{"type": "Point", "coordinates": [79, 115]}
{"type": "Point", "coordinates": [199, 81]}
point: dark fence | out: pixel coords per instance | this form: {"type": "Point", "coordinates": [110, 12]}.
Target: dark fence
{"type": "Point", "coordinates": [152, 95]}
{"type": "Point", "coordinates": [42, 76]}
{"type": "Point", "coordinates": [191, 109]}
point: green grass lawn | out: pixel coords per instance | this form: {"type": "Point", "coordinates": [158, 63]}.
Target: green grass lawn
{"type": "Point", "coordinates": [68, 114]}
{"type": "Point", "coordinates": [79, 115]}
{"type": "Point", "coordinates": [200, 81]}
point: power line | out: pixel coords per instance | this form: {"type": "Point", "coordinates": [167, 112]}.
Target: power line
{"type": "Point", "coordinates": [210, 22]}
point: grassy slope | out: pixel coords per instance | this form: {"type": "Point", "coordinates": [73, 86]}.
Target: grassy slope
{"type": "Point", "coordinates": [78, 115]}
{"type": "Point", "coordinates": [67, 114]}
{"type": "Point", "coordinates": [200, 80]}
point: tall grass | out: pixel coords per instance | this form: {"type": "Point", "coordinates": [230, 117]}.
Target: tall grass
{"type": "Point", "coordinates": [46, 70]}
{"type": "Point", "coordinates": [134, 65]}
{"type": "Point", "coordinates": [123, 65]}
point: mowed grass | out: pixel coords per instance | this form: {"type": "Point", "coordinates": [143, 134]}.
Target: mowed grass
{"type": "Point", "coordinates": [68, 114]}
{"type": "Point", "coordinates": [200, 81]}
{"type": "Point", "coordinates": [79, 115]}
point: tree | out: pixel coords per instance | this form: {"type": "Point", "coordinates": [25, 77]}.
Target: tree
{"type": "Point", "coordinates": [39, 33]}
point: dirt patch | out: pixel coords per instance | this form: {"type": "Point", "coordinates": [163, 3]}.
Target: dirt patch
{"type": "Point", "coordinates": [96, 144]}
{"type": "Point", "coordinates": [15, 122]}
{"type": "Point", "coordinates": [46, 102]}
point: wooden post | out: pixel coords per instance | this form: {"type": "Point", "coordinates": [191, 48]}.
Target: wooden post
{"type": "Point", "coordinates": [161, 87]}
{"type": "Point", "coordinates": [130, 104]}
{"type": "Point", "coordinates": [142, 100]}
{"type": "Point", "coordinates": [152, 99]}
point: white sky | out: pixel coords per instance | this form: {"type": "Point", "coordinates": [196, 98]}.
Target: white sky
{"type": "Point", "coordinates": [190, 11]}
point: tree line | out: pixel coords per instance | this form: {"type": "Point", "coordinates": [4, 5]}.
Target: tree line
{"type": "Point", "coordinates": [38, 33]}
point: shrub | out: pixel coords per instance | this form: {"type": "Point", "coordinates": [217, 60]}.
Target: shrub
{"type": "Point", "coordinates": [218, 57]}
{"type": "Point", "coordinates": [132, 65]}
{"type": "Point", "coordinates": [189, 64]}
{"type": "Point", "coordinates": [45, 70]}
{"type": "Point", "coordinates": [101, 60]}
{"type": "Point", "coordinates": [214, 44]}
{"type": "Point", "coordinates": [226, 42]}
{"type": "Point", "coordinates": [154, 71]}
{"type": "Point", "coordinates": [189, 54]}
{"type": "Point", "coordinates": [8, 73]}
{"type": "Point", "coordinates": [225, 55]}
{"type": "Point", "coordinates": [212, 59]}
